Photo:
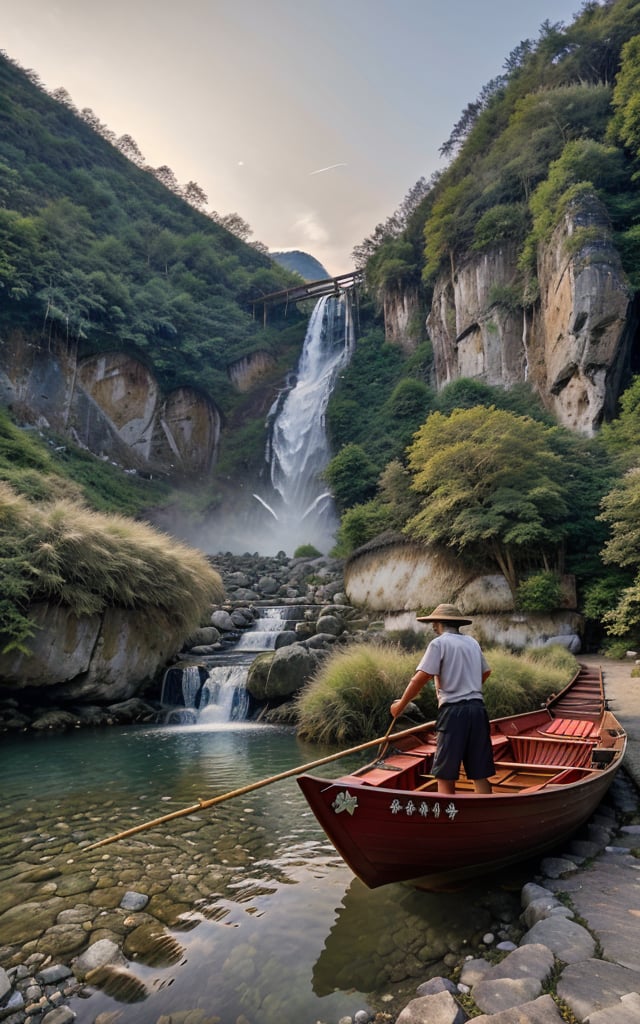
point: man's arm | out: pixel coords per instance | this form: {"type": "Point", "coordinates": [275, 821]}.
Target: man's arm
{"type": "Point", "coordinates": [414, 686]}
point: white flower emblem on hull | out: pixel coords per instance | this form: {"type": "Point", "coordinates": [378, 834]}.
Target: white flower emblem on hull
{"type": "Point", "coordinates": [345, 802]}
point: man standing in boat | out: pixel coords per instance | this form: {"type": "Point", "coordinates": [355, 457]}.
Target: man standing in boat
{"type": "Point", "coordinates": [457, 665]}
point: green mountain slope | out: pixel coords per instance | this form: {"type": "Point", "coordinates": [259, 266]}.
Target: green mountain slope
{"type": "Point", "coordinates": [98, 251]}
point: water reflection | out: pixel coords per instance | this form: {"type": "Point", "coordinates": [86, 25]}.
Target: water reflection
{"type": "Point", "coordinates": [251, 911]}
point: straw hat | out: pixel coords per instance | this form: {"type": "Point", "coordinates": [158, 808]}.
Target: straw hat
{"type": "Point", "coordinates": [445, 613]}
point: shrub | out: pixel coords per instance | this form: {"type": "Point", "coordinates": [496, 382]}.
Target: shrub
{"type": "Point", "coordinates": [539, 592]}
{"type": "Point", "coordinates": [348, 699]}
{"type": "Point", "coordinates": [306, 551]}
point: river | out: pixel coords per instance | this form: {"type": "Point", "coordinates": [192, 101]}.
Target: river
{"type": "Point", "coordinates": [252, 916]}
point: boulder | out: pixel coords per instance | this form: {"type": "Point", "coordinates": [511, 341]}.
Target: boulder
{"type": "Point", "coordinates": [282, 674]}
{"type": "Point", "coordinates": [101, 658]}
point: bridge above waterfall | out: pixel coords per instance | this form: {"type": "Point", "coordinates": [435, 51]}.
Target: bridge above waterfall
{"type": "Point", "coordinates": [309, 290]}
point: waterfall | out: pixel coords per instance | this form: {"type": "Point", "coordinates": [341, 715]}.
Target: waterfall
{"type": "Point", "coordinates": [300, 505]}
{"type": "Point", "coordinates": [215, 692]}
{"type": "Point", "coordinates": [224, 696]}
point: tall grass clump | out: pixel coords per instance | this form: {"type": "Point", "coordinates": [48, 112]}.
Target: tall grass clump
{"type": "Point", "coordinates": [349, 697]}
{"type": "Point", "coordinates": [64, 553]}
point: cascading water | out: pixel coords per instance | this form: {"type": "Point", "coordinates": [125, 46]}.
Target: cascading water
{"type": "Point", "coordinates": [300, 505]}
{"type": "Point", "coordinates": [216, 692]}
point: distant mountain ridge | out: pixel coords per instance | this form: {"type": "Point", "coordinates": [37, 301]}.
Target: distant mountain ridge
{"type": "Point", "coordinates": [301, 263]}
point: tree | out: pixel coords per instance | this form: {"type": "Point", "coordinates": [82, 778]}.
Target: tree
{"type": "Point", "coordinates": [130, 148]}
{"type": "Point", "coordinates": [621, 510]}
{"type": "Point", "coordinates": [491, 488]}
{"type": "Point", "coordinates": [352, 476]}
{"type": "Point", "coordinates": [194, 195]}
{"type": "Point", "coordinates": [234, 223]}
{"type": "Point", "coordinates": [166, 177]}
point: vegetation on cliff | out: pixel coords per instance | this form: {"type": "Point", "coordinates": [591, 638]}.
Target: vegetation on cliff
{"type": "Point", "coordinates": [558, 126]}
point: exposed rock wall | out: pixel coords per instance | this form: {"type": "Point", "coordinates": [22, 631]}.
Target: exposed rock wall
{"type": "Point", "coordinates": [581, 345]}
{"type": "Point", "coordinates": [111, 404]}
{"type": "Point", "coordinates": [100, 658]}
{"type": "Point", "coordinates": [402, 318]}
{"type": "Point", "coordinates": [573, 344]}
{"type": "Point", "coordinates": [399, 579]}
{"type": "Point", "coordinates": [473, 336]}
{"type": "Point", "coordinates": [245, 372]}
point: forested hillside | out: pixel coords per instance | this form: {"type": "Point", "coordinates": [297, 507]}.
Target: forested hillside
{"type": "Point", "coordinates": [100, 250]}
{"type": "Point", "coordinates": [558, 118]}
{"type": "Point", "coordinates": [464, 453]}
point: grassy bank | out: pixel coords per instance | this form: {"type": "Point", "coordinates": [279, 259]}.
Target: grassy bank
{"type": "Point", "coordinates": [348, 700]}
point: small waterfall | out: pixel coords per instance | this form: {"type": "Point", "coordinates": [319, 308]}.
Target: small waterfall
{"type": "Point", "coordinates": [216, 692]}
{"type": "Point", "coordinates": [300, 505]}
{"type": "Point", "coordinates": [224, 697]}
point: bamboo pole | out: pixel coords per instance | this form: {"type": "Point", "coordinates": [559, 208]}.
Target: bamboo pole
{"type": "Point", "coordinates": [203, 804]}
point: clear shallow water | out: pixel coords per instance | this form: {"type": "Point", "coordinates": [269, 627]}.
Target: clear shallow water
{"type": "Point", "coordinates": [260, 918]}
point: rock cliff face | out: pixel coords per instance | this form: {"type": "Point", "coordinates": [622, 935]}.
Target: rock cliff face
{"type": "Point", "coordinates": [109, 403]}
{"type": "Point", "coordinates": [399, 578]}
{"type": "Point", "coordinates": [100, 658]}
{"type": "Point", "coordinates": [402, 315]}
{"type": "Point", "coordinates": [573, 345]}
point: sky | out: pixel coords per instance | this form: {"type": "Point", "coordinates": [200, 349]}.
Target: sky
{"type": "Point", "coordinates": [310, 120]}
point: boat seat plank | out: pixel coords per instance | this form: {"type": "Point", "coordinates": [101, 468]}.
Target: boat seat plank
{"type": "Point", "coordinates": [576, 728]}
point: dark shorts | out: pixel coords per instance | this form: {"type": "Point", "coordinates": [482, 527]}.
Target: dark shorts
{"type": "Point", "coordinates": [463, 738]}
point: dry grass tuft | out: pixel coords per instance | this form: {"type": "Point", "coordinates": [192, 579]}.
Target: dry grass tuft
{"type": "Point", "coordinates": [61, 551]}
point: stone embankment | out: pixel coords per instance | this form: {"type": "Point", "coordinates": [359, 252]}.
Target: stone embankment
{"type": "Point", "coordinates": [578, 958]}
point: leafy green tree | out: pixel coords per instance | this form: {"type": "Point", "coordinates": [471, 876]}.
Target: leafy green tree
{"type": "Point", "coordinates": [621, 510]}
{"type": "Point", "coordinates": [621, 437]}
{"type": "Point", "coordinates": [351, 476]}
{"type": "Point", "coordinates": [491, 487]}
{"type": "Point", "coordinates": [625, 124]}
{"type": "Point", "coordinates": [359, 525]}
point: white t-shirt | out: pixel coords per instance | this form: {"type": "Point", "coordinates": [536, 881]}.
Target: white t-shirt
{"type": "Point", "coordinates": [459, 663]}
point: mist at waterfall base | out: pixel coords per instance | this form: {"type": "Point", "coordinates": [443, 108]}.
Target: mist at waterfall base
{"type": "Point", "coordinates": [292, 505]}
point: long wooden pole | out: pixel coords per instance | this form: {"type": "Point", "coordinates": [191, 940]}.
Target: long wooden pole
{"type": "Point", "coordinates": [203, 804]}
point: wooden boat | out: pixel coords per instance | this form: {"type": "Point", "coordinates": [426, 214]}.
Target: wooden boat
{"type": "Point", "coordinates": [553, 767]}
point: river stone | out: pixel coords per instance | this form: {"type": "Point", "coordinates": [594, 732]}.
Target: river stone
{"type": "Point", "coordinates": [61, 1015]}
{"type": "Point", "coordinates": [134, 901]}
{"type": "Point", "coordinates": [285, 638]}
{"type": "Point", "coordinates": [55, 720]}
{"type": "Point", "coordinates": [62, 939]}
{"type": "Point", "coordinates": [440, 1008]}
{"type": "Point", "coordinates": [330, 624]}
{"type": "Point", "coordinates": [289, 669]}
{"type": "Point", "coordinates": [204, 636]}
{"type": "Point", "coordinates": [5, 984]}
{"type": "Point", "coordinates": [222, 620]}
{"type": "Point", "coordinates": [28, 920]}
{"type": "Point", "coordinates": [72, 885]}
{"type": "Point", "coordinates": [268, 585]}
{"type": "Point", "coordinates": [54, 973]}
{"type": "Point", "coordinates": [102, 952]}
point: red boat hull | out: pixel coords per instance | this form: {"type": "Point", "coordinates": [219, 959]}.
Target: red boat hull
{"type": "Point", "coordinates": [390, 825]}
